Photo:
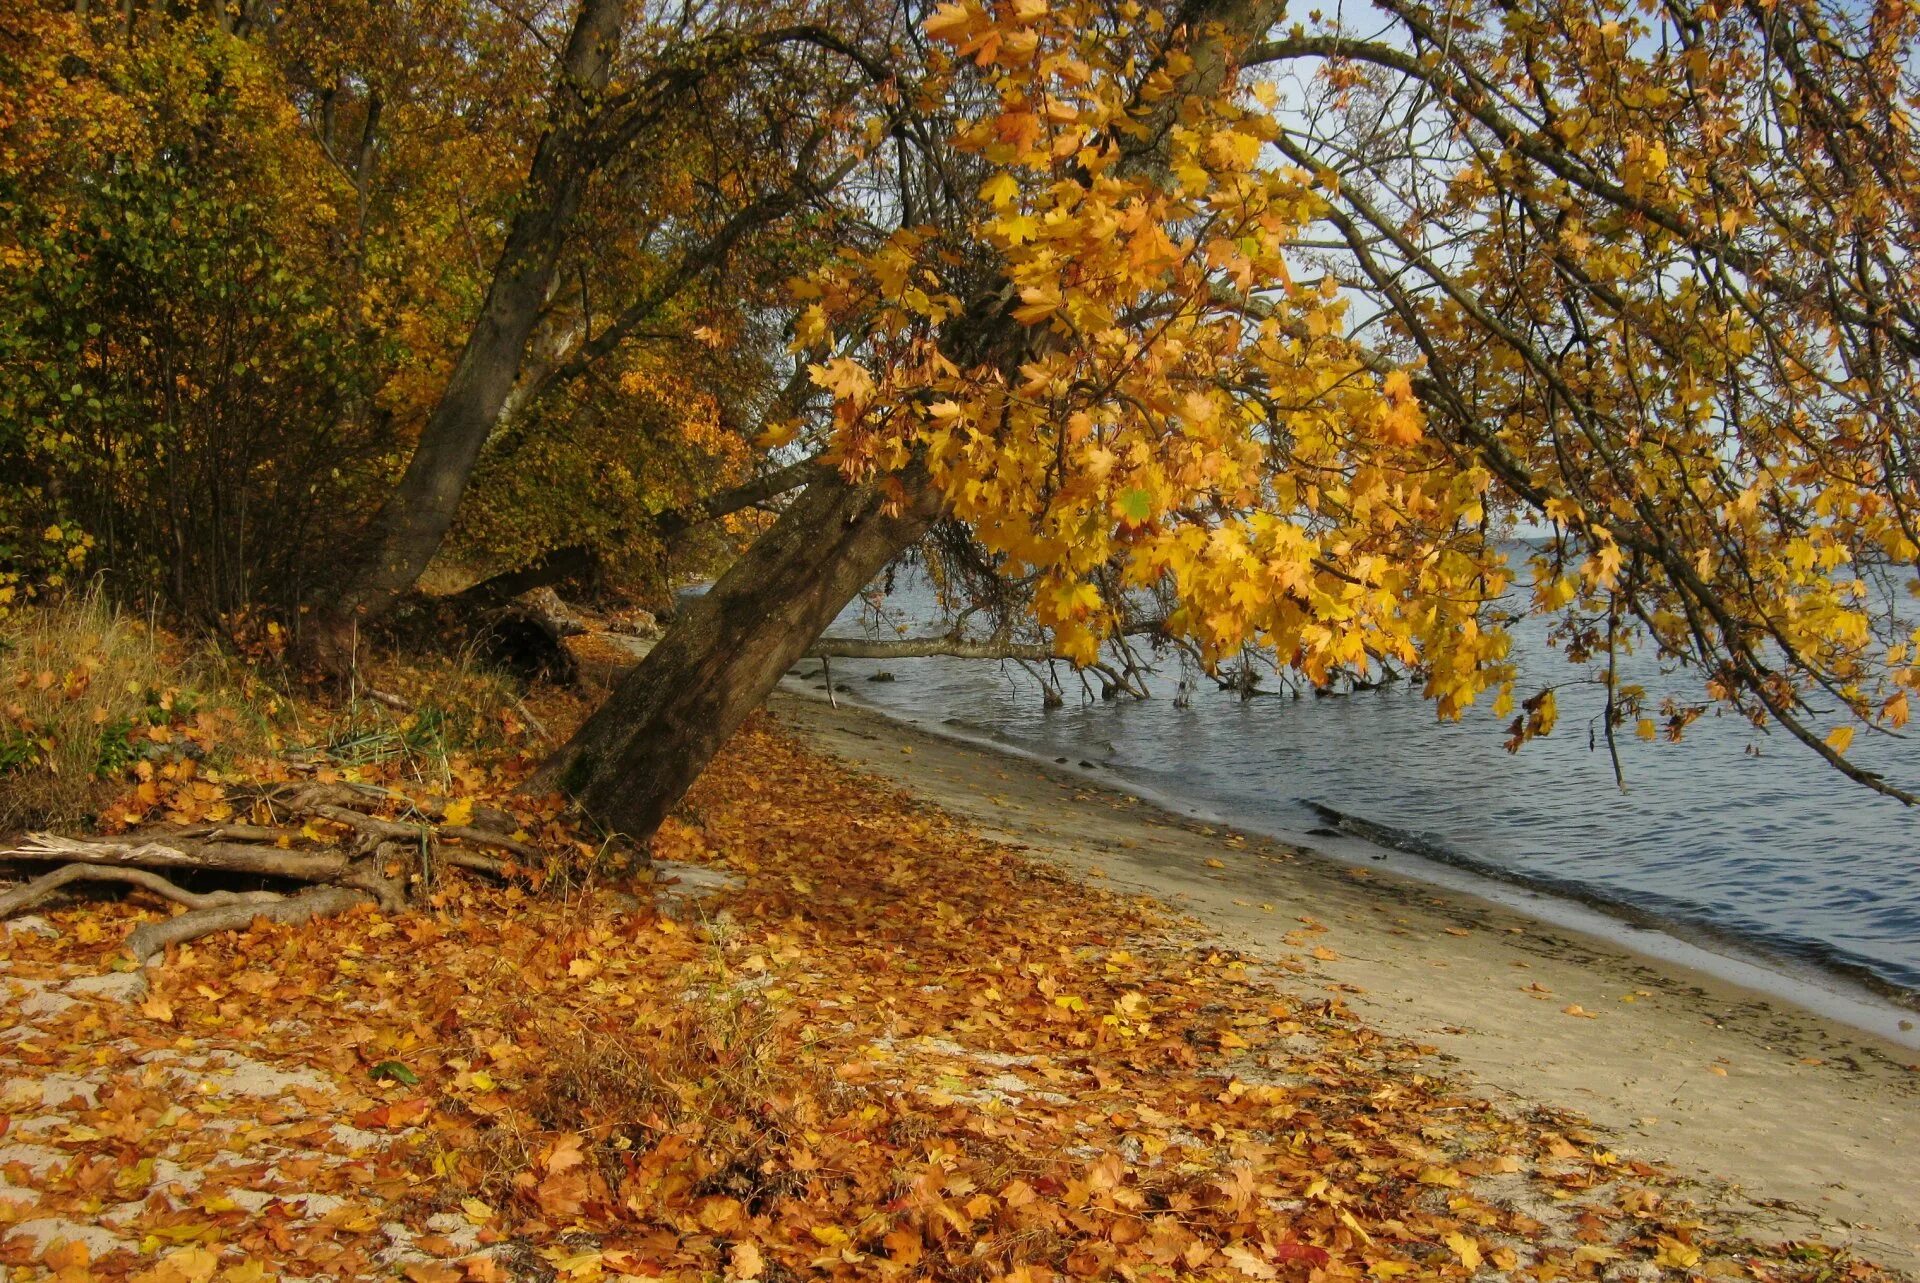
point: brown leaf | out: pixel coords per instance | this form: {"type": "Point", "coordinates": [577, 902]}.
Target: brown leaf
{"type": "Point", "coordinates": [744, 1262]}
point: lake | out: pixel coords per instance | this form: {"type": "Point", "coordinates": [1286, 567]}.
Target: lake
{"type": "Point", "coordinates": [1731, 834]}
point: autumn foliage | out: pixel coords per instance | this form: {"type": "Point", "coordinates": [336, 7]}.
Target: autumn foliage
{"type": "Point", "coordinates": [236, 270]}
{"type": "Point", "coordinates": [1338, 340]}
{"type": "Point", "coordinates": [889, 1049]}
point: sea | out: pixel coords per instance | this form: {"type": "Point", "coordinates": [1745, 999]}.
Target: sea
{"type": "Point", "coordinates": [1733, 839]}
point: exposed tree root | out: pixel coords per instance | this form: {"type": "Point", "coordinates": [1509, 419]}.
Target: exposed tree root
{"type": "Point", "coordinates": [371, 825]}
{"type": "Point", "coordinates": [31, 893]}
{"type": "Point", "coordinates": [178, 853]}
{"type": "Point", "coordinates": [478, 863]}
{"type": "Point", "coordinates": [151, 938]}
{"type": "Point", "coordinates": [378, 860]}
{"type": "Point", "coordinates": [486, 837]}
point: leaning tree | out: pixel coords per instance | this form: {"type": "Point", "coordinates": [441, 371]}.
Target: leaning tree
{"type": "Point", "coordinates": [747, 103]}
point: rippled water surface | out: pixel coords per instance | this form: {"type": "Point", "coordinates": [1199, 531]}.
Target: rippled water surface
{"type": "Point", "coordinates": [1775, 849]}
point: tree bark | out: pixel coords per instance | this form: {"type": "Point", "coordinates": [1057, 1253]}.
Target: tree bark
{"type": "Point", "coordinates": [150, 938]}
{"type": "Point", "coordinates": [578, 559]}
{"type": "Point", "coordinates": [548, 568]}
{"type": "Point", "coordinates": [767, 486]}
{"type": "Point", "coordinates": [28, 894]}
{"type": "Point", "coordinates": [410, 525]}
{"type": "Point", "coordinates": [640, 751]}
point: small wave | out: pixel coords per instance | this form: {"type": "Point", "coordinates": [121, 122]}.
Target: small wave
{"type": "Point", "coordinates": [1645, 910]}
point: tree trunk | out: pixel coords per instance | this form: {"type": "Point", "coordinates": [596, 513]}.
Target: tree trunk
{"type": "Point", "coordinates": [410, 525]}
{"type": "Point", "coordinates": [629, 764]}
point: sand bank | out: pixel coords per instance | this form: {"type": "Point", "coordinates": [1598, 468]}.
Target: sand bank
{"type": "Point", "coordinates": [1810, 1123]}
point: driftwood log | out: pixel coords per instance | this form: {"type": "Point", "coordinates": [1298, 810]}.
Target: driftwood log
{"type": "Point", "coordinates": [375, 860]}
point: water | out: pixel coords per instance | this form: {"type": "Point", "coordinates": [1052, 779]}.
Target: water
{"type": "Point", "coordinates": [1732, 834]}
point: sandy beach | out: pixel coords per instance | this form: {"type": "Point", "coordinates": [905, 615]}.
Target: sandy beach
{"type": "Point", "coordinates": [1808, 1125]}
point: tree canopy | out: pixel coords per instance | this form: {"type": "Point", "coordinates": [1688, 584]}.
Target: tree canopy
{"type": "Point", "coordinates": [1342, 335]}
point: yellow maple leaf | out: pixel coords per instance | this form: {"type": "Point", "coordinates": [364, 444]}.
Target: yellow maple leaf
{"type": "Point", "coordinates": [1000, 190]}
{"type": "Point", "coordinates": [188, 1265]}
{"type": "Point", "coordinates": [745, 1262]}
{"type": "Point", "coordinates": [1675, 1255]}
{"type": "Point", "coordinates": [1465, 1248]}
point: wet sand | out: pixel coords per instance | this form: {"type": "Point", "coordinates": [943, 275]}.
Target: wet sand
{"type": "Point", "coordinates": [1810, 1125]}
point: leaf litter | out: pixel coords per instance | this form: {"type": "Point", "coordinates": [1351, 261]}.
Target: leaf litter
{"type": "Point", "coordinates": [852, 1039]}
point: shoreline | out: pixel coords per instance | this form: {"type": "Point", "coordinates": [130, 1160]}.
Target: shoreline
{"type": "Point", "coordinates": [1805, 1119]}
{"type": "Point", "coordinates": [1823, 984]}
{"type": "Point", "coordinates": [1823, 981]}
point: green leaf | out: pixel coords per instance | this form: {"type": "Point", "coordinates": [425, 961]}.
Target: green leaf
{"type": "Point", "coordinates": [396, 1071]}
{"type": "Point", "coordinates": [1136, 505]}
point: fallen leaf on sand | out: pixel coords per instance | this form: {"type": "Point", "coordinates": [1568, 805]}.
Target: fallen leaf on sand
{"type": "Point", "coordinates": [1675, 1255]}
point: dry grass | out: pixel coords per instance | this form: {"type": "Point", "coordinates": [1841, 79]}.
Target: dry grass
{"type": "Point", "coordinates": [87, 693]}
{"type": "Point", "coordinates": [722, 1076]}
{"type": "Point", "coordinates": [423, 716]}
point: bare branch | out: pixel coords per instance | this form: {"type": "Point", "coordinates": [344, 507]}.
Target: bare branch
{"type": "Point", "coordinates": [916, 647]}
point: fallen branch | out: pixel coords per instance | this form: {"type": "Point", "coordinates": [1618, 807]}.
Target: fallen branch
{"type": "Point", "coordinates": [223, 857]}
{"type": "Point", "coordinates": [232, 832]}
{"type": "Point", "coordinates": [358, 873]}
{"type": "Point", "coordinates": [955, 647]}
{"type": "Point", "coordinates": [917, 647]}
{"type": "Point", "coordinates": [28, 894]}
{"type": "Point", "coordinates": [393, 830]}
{"type": "Point", "coordinates": [352, 796]}
{"type": "Point", "coordinates": [152, 938]}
